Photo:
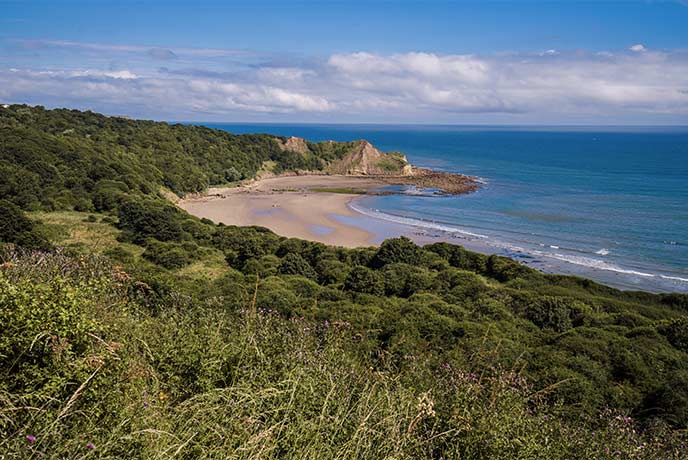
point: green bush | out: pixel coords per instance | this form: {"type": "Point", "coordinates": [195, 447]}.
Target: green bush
{"type": "Point", "coordinates": [144, 219]}
{"type": "Point", "coordinates": [90, 369]}
{"type": "Point", "coordinates": [396, 250]}
{"type": "Point", "coordinates": [551, 313]}
{"type": "Point", "coordinates": [16, 228]}
{"type": "Point", "coordinates": [676, 332]}
{"type": "Point", "coordinates": [364, 280]}
{"type": "Point", "coordinates": [404, 280]}
{"type": "Point", "coordinates": [171, 255]}
{"type": "Point", "coordinates": [294, 264]}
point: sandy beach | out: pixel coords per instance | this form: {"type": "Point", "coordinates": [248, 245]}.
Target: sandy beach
{"type": "Point", "coordinates": [290, 206]}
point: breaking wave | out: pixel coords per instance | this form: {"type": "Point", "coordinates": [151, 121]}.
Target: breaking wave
{"type": "Point", "coordinates": [377, 214]}
{"type": "Point", "coordinates": [590, 262]}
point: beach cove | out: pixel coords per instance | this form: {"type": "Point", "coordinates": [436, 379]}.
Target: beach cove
{"type": "Point", "coordinates": [291, 206]}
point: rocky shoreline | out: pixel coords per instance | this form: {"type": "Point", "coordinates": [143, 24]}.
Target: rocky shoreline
{"type": "Point", "coordinates": [446, 183]}
{"type": "Point", "coordinates": [364, 160]}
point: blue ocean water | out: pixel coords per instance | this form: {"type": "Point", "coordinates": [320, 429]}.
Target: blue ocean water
{"type": "Point", "coordinates": [612, 201]}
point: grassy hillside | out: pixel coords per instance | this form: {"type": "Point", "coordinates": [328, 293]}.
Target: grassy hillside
{"type": "Point", "coordinates": [100, 367]}
{"type": "Point", "coordinates": [147, 331]}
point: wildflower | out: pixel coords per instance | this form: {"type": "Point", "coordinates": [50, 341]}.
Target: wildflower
{"type": "Point", "coordinates": [31, 438]}
{"type": "Point", "coordinates": [90, 446]}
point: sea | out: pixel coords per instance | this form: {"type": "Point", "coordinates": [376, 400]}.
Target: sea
{"type": "Point", "coordinates": [606, 203]}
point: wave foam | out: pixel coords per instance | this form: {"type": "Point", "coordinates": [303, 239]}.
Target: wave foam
{"type": "Point", "coordinates": [603, 265]}
{"type": "Point", "coordinates": [589, 262]}
{"type": "Point", "coordinates": [377, 214]}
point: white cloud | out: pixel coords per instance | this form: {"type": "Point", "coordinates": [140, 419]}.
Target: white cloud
{"type": "Point", "coordinates": [414, 86]}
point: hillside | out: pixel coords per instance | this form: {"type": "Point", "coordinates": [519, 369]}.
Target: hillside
{"type": "Point", "coordinates": [129, 324]}
{"type": "Point", "coordinates": [364, 159]}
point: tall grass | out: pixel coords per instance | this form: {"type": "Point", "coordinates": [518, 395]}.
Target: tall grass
{"type": "Point", "coordinates": [90, 371]}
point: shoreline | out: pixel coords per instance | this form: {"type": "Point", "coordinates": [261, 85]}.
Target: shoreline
{"type": "Point", "coordinates": [299, 206]}
{"type": "Point", "coordinates": [291, 206]}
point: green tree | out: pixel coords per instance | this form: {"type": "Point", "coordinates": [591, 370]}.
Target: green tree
{"type": "Point", "coordinates": [396, 250]}
{"type": "Point", "coordinates": [294, 264]}
{"type": "Point", "coordinates": [676, 332]}
{"type": "Point", "coordinates": [550, 313]}
{"type": "Point", "coordinates": [16, 228]}
{"type": "Point", "coordinates": [364, 280]}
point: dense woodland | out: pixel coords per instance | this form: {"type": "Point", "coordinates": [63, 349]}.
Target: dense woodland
{"type": "Point", "coordinates": [128, 324]}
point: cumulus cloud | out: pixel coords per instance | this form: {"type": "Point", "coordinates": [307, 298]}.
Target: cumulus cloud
{"type": "Point", "coordinates": [414, 86]}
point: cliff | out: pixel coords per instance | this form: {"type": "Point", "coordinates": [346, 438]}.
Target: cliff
{"type": "Point", "coordinates": [294, 144]}
{"type": "Point", "coordinates": [365, 160]}
{"type": "Point", "coordinates": [358, 158]}
{"type": "Point", "coordinates": [361, 158]}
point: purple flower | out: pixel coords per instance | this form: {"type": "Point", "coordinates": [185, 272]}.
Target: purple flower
{"type": "Point", "coordinates": [90, 446]}
{"type": "Point", "coordinates": [31, 438]}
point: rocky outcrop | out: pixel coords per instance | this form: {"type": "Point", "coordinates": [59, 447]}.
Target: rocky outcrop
{"type": "Point", "coordinates": [448, 183]}
{"type": "Point", "coordinates": [361, 158]}
{"type": "Point", "coordinates": [365, 160]}
{"type": "Point", "coordinates": [294, 144]}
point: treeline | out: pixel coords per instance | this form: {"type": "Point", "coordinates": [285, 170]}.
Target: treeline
{"type": "Point", "coordinates": [68, 159]}
{"type": "Point", "coordinates": [582, 347]}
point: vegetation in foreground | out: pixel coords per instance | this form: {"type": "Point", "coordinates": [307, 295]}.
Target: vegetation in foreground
{"type": "Point", "coordinates": [216, 341]}
{"type": "Point", "coordinates": [100, 367]}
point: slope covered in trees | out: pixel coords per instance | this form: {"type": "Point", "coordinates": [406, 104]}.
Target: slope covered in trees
{"type": "Point", "coordinates": [472, 351]}
{"type": "Point", "coordinates": [63, 159]}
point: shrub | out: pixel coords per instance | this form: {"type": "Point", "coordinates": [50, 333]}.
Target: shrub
{"type": "Point", "coordinates": [550, 313]}
{"type": "Point", "coordinates": [396, 250]}
{"type": "Point", "coordinates": [331, 271]}
{"type": "Point", "coordinates": [404, 280]}
{"type": "Point", "coordinates": [16, 228]}
{"type": "Point", "coordinates": [294, 264]}
{"type": "Point", "coordinates": [170, 255]}
{"type": "Point", "coordinates": [144, 219]}
{"type": "Point", "coordinates": [504, 269]}
{"type": "Point", "coordinates": [676, 332]}
{"type": "Point", "coordinates": [458, 257]}
{"type": "Point", "coordinates": [364, 280]}
{"type": "Point", "coordinates": [671, 401]}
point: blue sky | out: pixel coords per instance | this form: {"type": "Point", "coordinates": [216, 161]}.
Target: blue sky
{"type": "Point", "coordinates": [511, 62]}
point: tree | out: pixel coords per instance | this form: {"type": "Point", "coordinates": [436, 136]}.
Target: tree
{"type": "Point", "coordinates": [364, 280]}
{"type": "Point", "coordinates": [404, 280]}
{"type": "Point", "coordinates": [676, 333]}
{"type": "Point", "coordinates": [396, 250]}
{"type": "Point", "coordinates": [16, 228]}
{"type": "Point", "coordinates": [149, 219]}
{"type": "Point", "coordinates": [294, 264]}
{"type": "Point", "coordinates": [550, 313]}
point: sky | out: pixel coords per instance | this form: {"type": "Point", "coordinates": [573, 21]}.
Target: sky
{"type": "Point", "coordinates": [448, 62]}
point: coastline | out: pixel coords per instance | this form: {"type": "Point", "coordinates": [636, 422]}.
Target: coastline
{"type": "Point", "coordinates": [300, 206]}
{"type": "Point", "coordinates": [291, 206]}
